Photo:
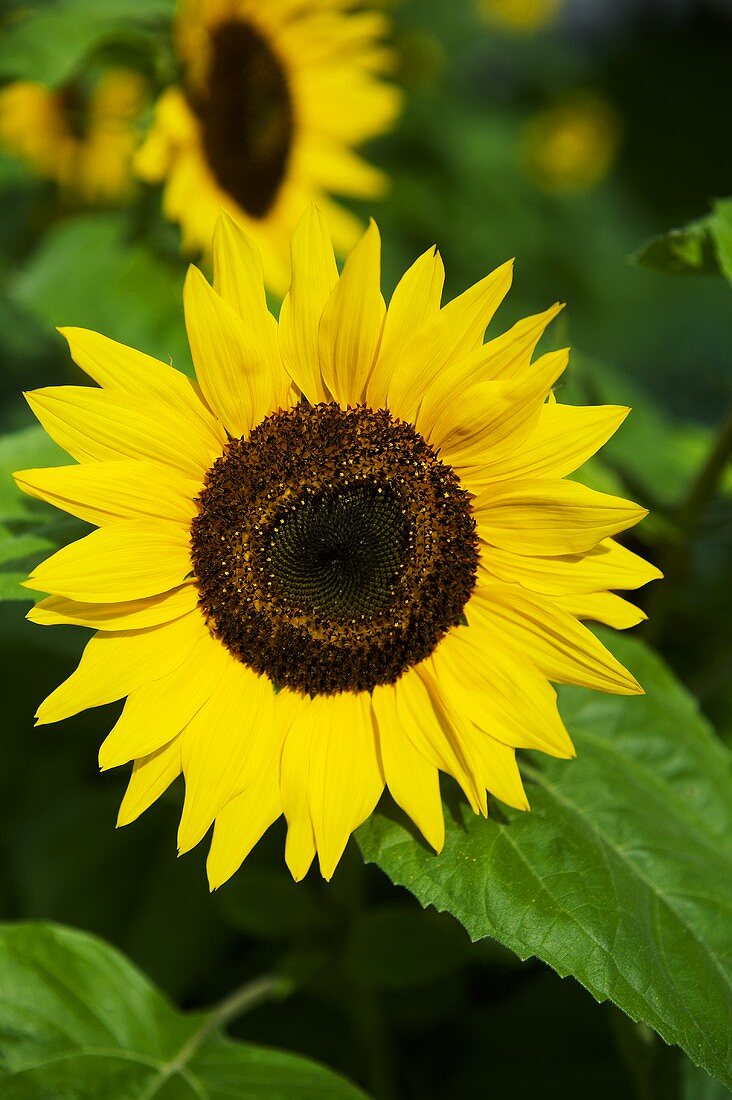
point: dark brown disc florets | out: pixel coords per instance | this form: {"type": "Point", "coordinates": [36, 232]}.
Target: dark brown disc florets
{"type": "Point", "coordinates": [246, 116]}
{"type": "Point", "coordinates": [333, 549]}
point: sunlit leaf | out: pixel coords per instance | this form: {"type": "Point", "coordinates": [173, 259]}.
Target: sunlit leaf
{"type": "Point", "coordinates": [621, 875]}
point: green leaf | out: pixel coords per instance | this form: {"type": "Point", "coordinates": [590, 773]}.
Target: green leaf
{"type": "Point", "coordinates": [689, 250]}
{"type": "Point", "coordinates": [720, 223]}
{"type": "Point", "coordinates": [621, 875]}
{"type": "Point", "coordinates": [29, 529]}
{"type": "Point", "coordinates": [703, 247]}
{"type": "Point", "coordinates": [91, 272]}
{"type": "Point", "coordinates": [77, 1019]}
{"type": "Point", "coordinates": [48, 43]}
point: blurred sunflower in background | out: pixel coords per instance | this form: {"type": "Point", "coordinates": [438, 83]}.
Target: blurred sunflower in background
{"type": "Point", "coordinates": [347, 557]}
{"type": "Point", "coordinates": [273, 99]}
{"type": "Point", "coordinates": [521, 15]}
{"type": "Point", "coordinates": [82, 134]}
{"type": "Point", "coordinates": [573, 145]}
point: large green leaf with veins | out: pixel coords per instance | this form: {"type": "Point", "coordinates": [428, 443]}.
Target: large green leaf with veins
{"type": "Point", "coordinates": [78, 1020]}
{"type": "Point", "coordinates": [622, 874]}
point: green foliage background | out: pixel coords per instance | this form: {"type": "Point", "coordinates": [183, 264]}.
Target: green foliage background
{"type": "Point", "coordinates": [411, 975]}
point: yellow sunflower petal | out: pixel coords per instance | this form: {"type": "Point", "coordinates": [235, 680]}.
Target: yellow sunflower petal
{"type": "Point", "coordinates": [432, 356]}
{"type": "Point", "coordinates": [331, 749]}
{"type": "Point", "coordinates": [151, 777]}
{"type": "Point", "coordinates": [107, 492]}
{"type": "Point", "coordinates": [239, 279]}
{"type": "Point", "coordinates": [242, 822]}
{"type": "Point", "coordinates": [428, 724]}
{"type": "Point", "coordinates": [508, 356]}
{"type": "Point", "coordinates": [564, 438]}
{"type": "Point", "coordinates": [134, 615]}
{"type": "Point", "coordinates": [496, 765]}
{"type": "Point", "coordinates": [294, 780]}
{"type": "Point", "coordinates": [233, 378]}
{"type": "Point", "coordinates": [113, 665]}
{"type": "Point", "coordinates": [550, 517]}
{"type": "Point", "coordinates": [472, 311]}
{"type": "Point", "coordinates": [125, 562]}
{"type": "Point", "coordinates": [314, 274]}
{"type": "Point", "coordinates": [414, 303]}
{"type": "Point", "coordinates": [602, 607]}
{"type": "Point", "coordinates": [350, 326]}
{"type": "Point", "coordinates": [560, 647]}
{"type": "Point", "coordinates": [608, 565]}
{"type": "Point", "coordinates": [412, 779]}
{"type": "Point", "coordinates": [502, 414]}
{"type": "Point", "coordinates": [118, 367]}
{"type": "Point", "coordinates": [100, 425]}
{"type": "Point", "coordinates": [505, 697]}
{"type": "Point", "coordinates": [157, 711]}
{"type": "Point", "coordinates": [222, 747]}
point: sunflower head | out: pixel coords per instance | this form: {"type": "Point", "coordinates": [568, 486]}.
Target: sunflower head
{"type": "Point", "coordinates": [82, 134]}
{"type": "Point", "coordinates": [272, 101]}
{"type": "Point", "coordinates": [345, 558]}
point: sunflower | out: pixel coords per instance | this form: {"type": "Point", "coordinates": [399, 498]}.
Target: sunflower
{"type": "Point", "coordinates": [345, 558]}
{"type": "Point", "coordinates": [274, 97]}
{"type": "Point", "coordinates": [82, 135]}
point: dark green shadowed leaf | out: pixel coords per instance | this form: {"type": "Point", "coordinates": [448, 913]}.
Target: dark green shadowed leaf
{"type": "Point", "coordinates": [77, 1019]}
{"type": "Point", "coordinates": [622, 874]}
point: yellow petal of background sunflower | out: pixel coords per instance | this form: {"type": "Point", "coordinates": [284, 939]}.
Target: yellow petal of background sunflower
{"type": "Point", "coordinates": [412, 779]}
{"type": "Point", "coordinates": [350, 326]}
{"type": "Point", "coordinates": [107, 492]}
{"type": "Point", "coordinates": [134, 615]}
{"type": "Point", "coordinates": [314, 274]}
{"type": "Point", "coordinates": [550, 517]}
{"type": "Point", "coordinates": [608, 565]}
{"type": "Point", "coordinates": [151, 777]}
{"type": "Point", "coordinates": [234, 379]}
{"type": "Point", "coordinates": [223, 746]}
{"type": "Point", "coordinates": [564, 438]}
{"type": "Point", "coordinates": [113, 665]}
{"type": "Point", "coordinates": [99, 425]}
{"type": "Point", "coordinates": [125, 562]}
{"type": "Point", "coordinates": [560, 647]}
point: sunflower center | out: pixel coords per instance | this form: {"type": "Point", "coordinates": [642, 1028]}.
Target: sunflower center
{"type": "Point", "coordinates": [332, 549]}
{"type": "Point", "coordinates": [246, 117]}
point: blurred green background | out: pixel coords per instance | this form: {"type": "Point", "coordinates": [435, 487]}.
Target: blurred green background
{"type": "Point", "coordinates": [568, 145]}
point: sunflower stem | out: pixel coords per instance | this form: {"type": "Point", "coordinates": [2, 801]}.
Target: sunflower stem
{"type": "Point", "coordinates": [688, 521]}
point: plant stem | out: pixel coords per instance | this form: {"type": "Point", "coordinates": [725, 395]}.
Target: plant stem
{"type": "Point", "coordinates": [688, 520]}
{"type": "Point", "coordinates": [267, 988]}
